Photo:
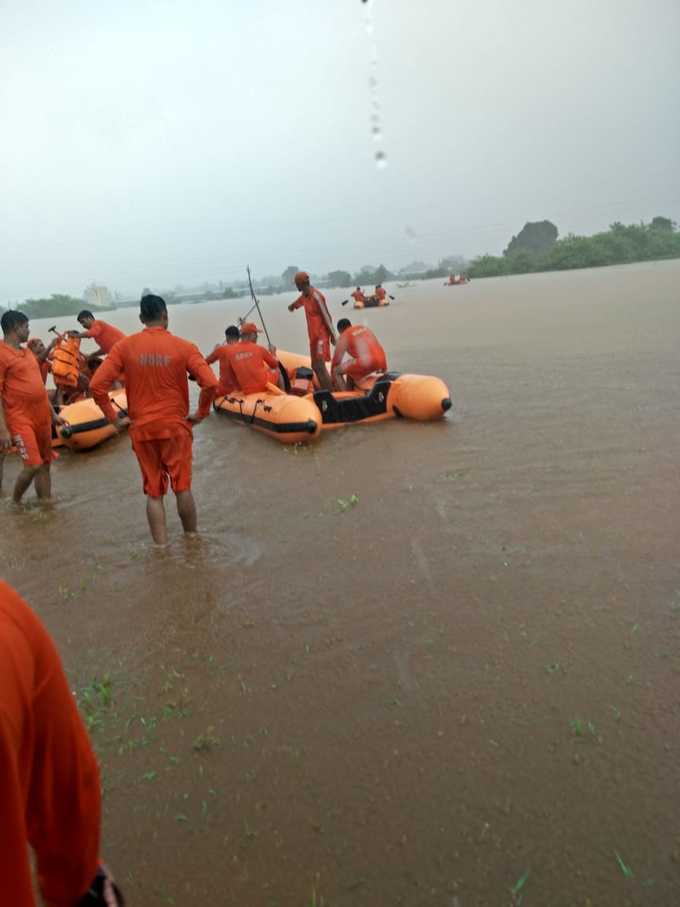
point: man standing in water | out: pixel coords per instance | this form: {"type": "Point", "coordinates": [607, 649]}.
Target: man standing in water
{"type": "Point", "coordinates": [319, 326]}
{"type": "Point", "coordinates": [49, 779]}
{"type": "Point", "coordinates": [154, 365]}
{"type": "Point", "coordinates": [26, 415]}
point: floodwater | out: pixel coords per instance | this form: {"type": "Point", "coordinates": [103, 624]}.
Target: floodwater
{"type": "Point", "coordinates": [470, 674]}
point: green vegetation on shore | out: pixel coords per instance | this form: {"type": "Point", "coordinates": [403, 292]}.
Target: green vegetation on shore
{"type": "Point", "coordinates": [56, 306]}
{"type": "Point", "coordinates": [536, 248]}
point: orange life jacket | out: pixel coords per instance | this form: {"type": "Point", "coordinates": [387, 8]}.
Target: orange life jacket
{"type": "Point", "coordinates": [65, 362]}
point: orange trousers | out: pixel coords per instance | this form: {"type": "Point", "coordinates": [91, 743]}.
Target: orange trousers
{"type": "Point", "coordinates": [49, 779]}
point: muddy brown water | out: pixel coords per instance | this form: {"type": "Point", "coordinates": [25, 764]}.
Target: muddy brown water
{"type": "Point", "coordinates": [471, 673]}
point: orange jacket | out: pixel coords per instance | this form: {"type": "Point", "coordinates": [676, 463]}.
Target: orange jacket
{"type": "Point", "coordinates": [22, 389]}
{"type": "Point", "coordinates": [104, 334]}
{"type": "Point", "coordinates": [154, 365]}
{"type": "Point", "coordinates": [49, 780]}
{"type": "Point", "coordinates": [66, 362]}
{"type": "Point", "coordinates": [250, 364]}
{"type": "Point", "coordinates": [362, 345]}
{"type": "Point", "coordinates": [227, 378]}
{"type": "Point", "coordinates": [314, 305]}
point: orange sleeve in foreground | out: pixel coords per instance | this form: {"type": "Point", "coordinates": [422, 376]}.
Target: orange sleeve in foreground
{"type": "Point", "coordinates": [49, 780]}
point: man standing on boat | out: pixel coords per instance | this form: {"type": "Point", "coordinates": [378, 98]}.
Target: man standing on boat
{"type": "Point", "coordinates": [26, 414]}
{"type": "Point", "coordinates": [357, 354]}
{"type": "Point", "coordinates": [154, 365]}
{"type": "Point", "coordinates": [319, 326]}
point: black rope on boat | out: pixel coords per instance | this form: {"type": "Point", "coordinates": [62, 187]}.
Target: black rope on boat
{"type": "Point", "coordinates": [257, 403]}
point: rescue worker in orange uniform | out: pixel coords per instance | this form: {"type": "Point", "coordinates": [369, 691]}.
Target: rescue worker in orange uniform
{"type": "Point", "coordinates": [358, 296]}
{"type": "Point", "coordinates": [380, 294]}
{"type": "Point", "coordinates": [49, 779]}
{"type": "Point", "coordinates": [252, 365]}
{"type": "Point", "coordinates": [42, 354]}
{"type": "Point", "coordinates": [221, 354]}
{"type": "Point", "coordinates": [154, 366]}
{"type": "Point", "coordinates": [319, 326]}
{"type": "Point", "coordinates": [357, 354]}
{"type": "Point", "coordinates": [26, 414]}
{"type": "Point", "coordinates": [103, 333]}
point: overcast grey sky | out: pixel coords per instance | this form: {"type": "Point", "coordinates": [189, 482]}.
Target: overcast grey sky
{"type": "Point", "coordinates": [172, 142]}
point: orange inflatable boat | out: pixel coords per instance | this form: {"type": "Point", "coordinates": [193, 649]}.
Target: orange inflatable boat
{"type": "Point", "coordinates": [423, 398]}
{"type": "Point", "coordinates": [288, 418]}
{"type": "Point", "coordinates": [87, 425]}
{"type": "Point", "coordinates": [460, 281]}
{"type": "Point", "coordinates": [301, 414]}
{"type": "Point", "coordinates": [372, 302]}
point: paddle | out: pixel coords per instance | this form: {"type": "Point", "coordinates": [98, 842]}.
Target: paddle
{"type": "Point", "coordinates": [245, 317]}
{"type": "Point", "coordinates": [257, 306]}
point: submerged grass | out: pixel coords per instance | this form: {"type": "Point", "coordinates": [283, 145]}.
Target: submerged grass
{"type": "Point", "coordinates": [516, 889]}
{"type": "Point", "coordinates": [94, 701]}
{"type": "Point", "coordinates": [346, 504]}
{"type": "Point", "coordinates": [583, 728]}
{"type": "Point", "coordinates": [626, 870]}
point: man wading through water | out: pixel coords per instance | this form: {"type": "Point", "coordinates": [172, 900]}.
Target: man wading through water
{"type": "Point", "coordinates": [26, 414]}
{"type": "Point", "coordinates": [154, 365]}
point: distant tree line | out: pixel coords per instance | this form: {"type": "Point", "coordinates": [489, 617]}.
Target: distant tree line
{"type": "Point", "coordinates": [537, 248]}
{"type": "Point", "coordinates": [57, 305]}
{"type": "Point", "coordinates": [371, 276]}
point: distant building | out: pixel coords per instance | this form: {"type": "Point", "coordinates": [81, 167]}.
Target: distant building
{"type": "Point", "coordinates": [96, 295]}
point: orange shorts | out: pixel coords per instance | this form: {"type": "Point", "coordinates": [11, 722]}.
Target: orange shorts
{"type": "Point", "coordinates": [165, 459]}
{"type": "Point", "coordinates": [320, 346]}
{"type": "Point", "coordinates": [33, 440]}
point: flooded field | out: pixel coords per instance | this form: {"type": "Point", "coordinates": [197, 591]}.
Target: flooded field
{"type": "Point", "coordinates": [468, 675]}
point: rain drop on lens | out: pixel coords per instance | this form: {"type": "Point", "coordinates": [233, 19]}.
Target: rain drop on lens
{"type": "Point", "coordinates": [380, 160]}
